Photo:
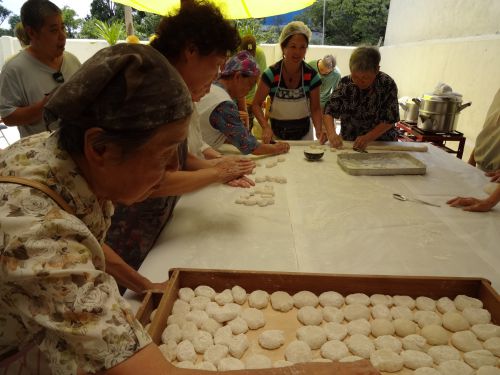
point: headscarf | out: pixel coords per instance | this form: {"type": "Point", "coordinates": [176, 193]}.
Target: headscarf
{"type": "Point", "coordinates": [242, 62]}
{"type": "Point", "coordinates": [293, 28]}
{"type": "Point", "coordinates": [122, 87]}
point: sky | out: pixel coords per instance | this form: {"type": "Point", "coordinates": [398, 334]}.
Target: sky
{"type": "Point", "coordinates": [81, 7]}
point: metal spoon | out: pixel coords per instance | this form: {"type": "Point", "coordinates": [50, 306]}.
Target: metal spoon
{"type": "Point", "coordinates": [404, 198]}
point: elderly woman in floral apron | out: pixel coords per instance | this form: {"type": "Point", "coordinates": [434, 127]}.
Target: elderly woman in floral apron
{"type": "Point", "coordinates": [294, 88]}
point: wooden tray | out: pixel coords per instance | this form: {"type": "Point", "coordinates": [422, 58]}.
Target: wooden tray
{"type": "Point", "coordinates": [414, 286]}
{"type": "Point", "coordinates": [382, 163]}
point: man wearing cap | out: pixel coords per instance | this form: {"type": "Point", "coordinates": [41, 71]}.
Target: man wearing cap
{"type": "Point", "coordinates": [220, 121]}
{"type": "Point", "coordinates": [330, 77]}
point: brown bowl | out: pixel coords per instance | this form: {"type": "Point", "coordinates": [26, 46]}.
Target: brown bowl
{"type": "Point", "coordinates": [313, 155]}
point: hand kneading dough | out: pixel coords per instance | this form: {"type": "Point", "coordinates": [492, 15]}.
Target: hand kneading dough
{"type": "Point", "coordinates": [333, 314]}
{"type": "Point", "coordinates": [335, 331]}
{"type": "Point", "coordinates": [186, 352]}
{"type": "Point", "coordinates": [426, 371]}
{"type": "Point", "coordinates": [381, 327]}
{"type": "Point", "coordinates": [425, 318]}
{"type": "Point", "coordinates": [414, 342]}
{"type": "Point", "coordinates": [215, 353]}
{"type": "Point", "coordinates": [239, 294]}
{"type": "Point", "coordinates": [454, 321]}
{"type": "Point", "coordinates": [381, 312]}
{"type": "Point", "coordinates": [305, 298]}
{"type": "Point", "coordinates": [313, 336]}
{"type": "Point", "coordinates": [258, 361]}
{"type": "Point", "coordinates": [443, 353]}
{"type": "Point", "coordinates": [486, 331]}
{"type": "Point", "coordinates": [298, 351]}
{"type": "Point", "coordinates": [462, 301]}
{"type": "Point", "coordinates": [229, 363]}
{"type": "Point", "coordinates": [465, 341]}
{"type": "Point", "coordinates": [493, 345]}
{"type": "Point", "coordinates": [309, 316]}
{"type": "Point", "coordinates": [455, 368]}
{"type": "Point", "coordinates": [281, 301]}
{"type": "Point", "coordinates": [435, 335]}
{"type": "Point", "coordinates": [331, 299]}
{"type": "Point", "coordinates": [386, 360]}
{"type": "Point", "coordinates": [388, 342]}
{"type": "Point", "coordinates": [406, 301]}
{"type": "Point", "coordinates": [380, 299]}
{"type": "Point", "coordinates": [476, 315]}
{"type": "Point", "coordinates": [360, 345]}
{"type": "Point", "coordinates": [414, 359]}
{"type": "Point", "coordinates": [445, 305]}
{"type": "Point", "coordinates": [356, 311]}
{"type": "Point", "coordinates": [361, 326]}
{"type": "Point", "coordinates": [360, 298]}
{"type": "Point", "coordinates": [226, 296]}
{"type": "Point", "coordinates": [488, 370]}
{"type": "Point", "coordinates": [258, 299]}
{"type": "Point", "coordinates": [272, 339]}
{"type": "Point", "coordinates": [404, 327]}
{"type": "Point", "coordinates": [334, 350]}
{"type": "Point", "coordinates": [253, 317]}
{"type": "Point", "coordinates": [479, 358]}
{"type": "Point", "coordinates": [425, 304]}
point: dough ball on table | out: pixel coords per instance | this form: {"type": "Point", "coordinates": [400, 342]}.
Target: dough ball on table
{"type": "Point", "coordinates": [454, 321]}
{"type": "Point", "coordinates": [435, 335]}
{"type": "Point", "coordinates": [476, 315]}
{"type": "Point", "coordinates": [169, 350]}
{"type": "Point", "coordinates": [298, 352]}
{"type": "Point", "coordinates": [238, 345]}
{"type": "Point", "coordinates": [172, 333]}
{"type": "Point", "coordinates": [360, 345]}
{"type": "Point", "coordinates": [282, 363]}
{"type": "Point", "coordinates": [185, 364]}
{"type": "Point", "coordinates": [415, 342]}
{"type": "Point", "coordinates": [181, 307]}
{"type": "Point", "coordinates": [313, 336]}
{"type": "Point", "coordinates": [178, 319]}
{"type": "Point", "coordinates": [358, 298]}
{"type": "Point", "coordinates": [425, 318]}
{"type": "Point", "coordinates": [189, 330]}
{"type": "Point", "coordinates": [239, 294]}
{"type": "Point", "coordinates": [463, 301]}
{"type": "Point", "coordinates": [215, 353]}
{"type": "Point", "coordinates": [238, 325]}
{"type": "Point", "coordinates": [402, 312]}
{"type": "Point", "coordinates": [486, 331]}
{"type": "Point", "coordinates": [405, 301]}
{"type": "Point", "coordinates": [466, 341]}
{"type": "Point", "coordinates": [493, 345]}
{"type": "Point", "coordinates": [356, 311]}
{"type": "Point", "coordinates": [197, 317]}
{"type": "Point", "coordinates": [445, 305]}
{"type": "Point", "coordinates": [229, 363]}
{"type": "Point", "coordinates": [210, 325]}
{"type": "Point", "coordinates": [186, 294]}
{"type": "Point", "coordinates": [272, 339]}
{"type": "Point", "coordinates": [381, 299]}
{"type": "Point", "coordinates": [386, 360]}
{"type": "Point", "coordinates": [425, 304]}
{"type": "Point", "coordinates": [381, 327]}
{"type": "Point", "coordinates": [223, 336]}
{"type": "Point", "coordinates": [205, 291]}
{"type": "Point", "coordinates": [186, 352]}
{"type": "Point", "coordinates": [351, 358]}
{"type": "Point", "coordinates": [335, 331]}
{"type": "Point", "coordinates": [426, 371]}
{"type": "Point", "coordinates": [455, 368]}
{"type": "Point", "coordinates": [253, 317]}
{"type": "Point", "coordinates": [205, 366]}
{"type": "Point", "coordinates": [479, 358]}
{"type": "Point", "coordinates": [281, 301]}
{"type": "Point", "coordinates": [334, 350]}
{"type": "Point", "coordinates": [258, 299]}
{"type": "Point", "coordinates": [388, 342]}
{"type": "Point", "coordinates": [258, 361]}
{"type": "Point", "coordinates": [309, 315]}
{"type": "Point", "coordinates": [414, 359]}
{"type": "Point", "coordinates": [333, 314]}
{"type": "Point", "coordinates": [361, 326]}
{"type": "Point", "coordinates": [331, 299]}
{"type": "Point", "coordinates": [223, 313]}
{"type": "Point", "coordinates": [211, 308]}
{"type": "Point", "coordinates": [202, 341]}
{"type": "Point", "coordinates": [381, 312]}
{"type": "Point", "coordinates": [226, 296]}
{"type": "Point", "coordinates": [305, 298]}
{"type": "Point", "coordinates": [443, 353]}
{"type": "Point", "coordinates": [199, 302]}
{"type": "Point", "coordinates": [488, 370]}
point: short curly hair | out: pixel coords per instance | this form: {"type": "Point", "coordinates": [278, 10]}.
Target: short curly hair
{"type": "Point", "coordinates": [197, 23]}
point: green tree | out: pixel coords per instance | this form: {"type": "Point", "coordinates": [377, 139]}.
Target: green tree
{"type": "Point", "coordinates": [13, 21]}
{"type": "Point", "coordinates": [72, 22]}
{"type": "Point", "coordinates": [4, 13]}
{"type": "Point", "coordinates": [145, 26]}
{"type": "Point", "coordinates": [255, 27]}
{"type": "Point", "coordinates": [348, 22]}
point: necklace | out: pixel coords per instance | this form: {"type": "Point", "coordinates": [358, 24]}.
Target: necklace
{"type": "Point", "coordinates": [290, 76]}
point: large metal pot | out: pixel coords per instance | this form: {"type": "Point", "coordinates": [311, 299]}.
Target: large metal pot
{"type": "Point", "coordinates": [439, 113]}
{"type": "Point", "coordinates": [410, 109]}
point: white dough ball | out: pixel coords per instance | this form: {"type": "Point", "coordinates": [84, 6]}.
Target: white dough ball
{"type": "Point", "coordinates": [454, 321]}
{"type": "Point", "coordinates": [297, 352]}
{"type": "Point", "coordinates": [254, 318]}
{"type": "Point", "coordinates": [405, 301]}
{"type": "Point", "coordinates": [205, 291]}
{"type": "Point", "coordinates": [435, 335]}
{"type": "Point", "coordinates": [181, 307]}
{"type": "Point", "coordinates": [334, 350]}
{"type": "Point", "coordinates": [238, 345]}
{"type": "Point", "coordinates": [186, 352]}
{"type": "Point", "coordinates": [455, 368]}
{"type": "Point", "coordinates": [404, 327]}
{"type": "Point", "coordinates": [172, 333]}
{"type": "Point", "coordinates": [282, 363]}
{"type": "Point", "coordinates": [333, 314]}
{"type": "Point", "coordinates": [272, 339]}
{"type": "Point", "coordinates": [414, 342]}
{"type": "Point", "coordinates": [210, 325]}
{"type": "Point", "coordinates": [401, 312]}
{"type": "Point", "coordinates": [426, 371]}
{"type": "Point", "coordinates": [305, 298]}
{"type": "Point", "coordinates": [185, 364]}
{"type": "Point", "coordinates": [215, 353]}
{"type": "Point", "coordinates": [226, 296]}
{"type": "Point", "coordinates": [443, 353]}
{"type": "Point", "coordinates": [381, 312]}
{"type": "Point", "coordinates": [199, 302]}
{"type": "Point", "coordinates": [229, 363]}
{"type": "Point", "coordinates": [239, 294]}
{"type": "Point", "coordinates": [207, 366]}
{"type": "Point", "coordinates": [223, 336]}
{"type": "Point", "coordinates": [335, 331]}
{"type": "Point", "coordinates": [488, 370]}
{"type": "Point", "coordinates": [331, 299]}
{"type": "Point", "coordinates": [445, 305]}
{"type": "Point", "coordinates": [202, 341]}
{"type": "Point", "coordinates": [486, 331]}
{"type": "Point", "coordinates": [309, 315]}
{"type": "Point", "coordinates": [386, 360]}
{"type": "Point", "coordinates": [281, 301]}
{"type": "Point", "coordinates": [356, 311]}
{"type": "Point", "coordinates": [463, 301]}
{"type": "Point", "coordinates": [238, 325]}
{"type": "Point", "coordinates": [189, 330]}
{"type": "Point", "coordinates": [186, 294]}
{"type": "Point", "coordinates": [476, 315]}
{"type": "Point", "coordinates": [360, 345]}
{"type": "Point", "coordinates": [361, 326]}
{"type": "Point", "coordinates": [414, 359]}
{"type": "Point", "coordinates": [479, 358]}
{"type": "Point", "coordinates": [466, 341]}
{"type": "Point", "coordinates": [169, 350]}
{"type": "Point", "coordinates": [381, 327]}
{"type": "Point", "coordinates": [258, 361]}
{"type": "Point", "coordinates": [425, 304]}
{"type": "Point", "coordinates": [357, 298]}
{"type": "Point", "coordinates": [381, 299]}
{"type": "Point", "coordinates": [425, 318]}
{"type": "Point", "coordinates": [197, 317]}
{"type": "Point", "coordinates": [314, 336]}
{"type": "Point", "coordinates": [178, 319]}
{"type": "Point", "coordinates": [258, 299]}
{"type": "Point", "coordinates": [388, 342]}
{"type": "Point", "coordinates": [493, 345]}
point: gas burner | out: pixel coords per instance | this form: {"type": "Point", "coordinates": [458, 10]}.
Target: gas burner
{"type": "Point", "coordinates": [415, 128]}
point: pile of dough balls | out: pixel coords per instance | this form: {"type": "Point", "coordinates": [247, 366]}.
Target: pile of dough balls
{"type": "Point", "coordinates": [207, 330]}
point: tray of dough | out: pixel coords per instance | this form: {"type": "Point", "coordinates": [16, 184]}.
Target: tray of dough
{"type": "Point", "coordinates": [377, 164]}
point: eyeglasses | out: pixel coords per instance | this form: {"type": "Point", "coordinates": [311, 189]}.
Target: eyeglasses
{"type": "Point", "coordinates": [58, 77]}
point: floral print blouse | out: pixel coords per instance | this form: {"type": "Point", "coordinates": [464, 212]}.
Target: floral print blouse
{"type": "Point", "coordinates": [54, 291]}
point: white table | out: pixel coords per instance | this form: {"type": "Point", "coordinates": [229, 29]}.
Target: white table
{"type": "Point", "coordinates": [327, 221]}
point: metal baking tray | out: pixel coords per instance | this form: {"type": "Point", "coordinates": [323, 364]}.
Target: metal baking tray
{"type": "Point", "coordinates": [379, 164]}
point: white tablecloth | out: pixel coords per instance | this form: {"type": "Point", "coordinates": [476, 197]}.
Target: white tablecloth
{"type": "Point", "coordinates": [327, 221]}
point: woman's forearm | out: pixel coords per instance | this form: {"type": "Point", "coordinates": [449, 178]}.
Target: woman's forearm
{"type": "Point", "coordinates": [378, 130]}
{"type": "Point", "coordinates": [182, 182]}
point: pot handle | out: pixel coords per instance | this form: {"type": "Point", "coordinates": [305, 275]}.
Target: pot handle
{"type": "Point", "coordinates": [417, 101]}
{"type": "Point", "coordinates": [404, 106]}
{"type": "Point", "coordinates": [460, 107]}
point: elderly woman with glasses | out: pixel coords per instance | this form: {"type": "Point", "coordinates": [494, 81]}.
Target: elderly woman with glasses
{"type": "Point", "coordinates": [366, 102]}
{"type": "Point", "coordinates": [29, 77]}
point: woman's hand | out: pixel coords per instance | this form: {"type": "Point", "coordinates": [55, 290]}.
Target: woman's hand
{"type": "Point", "coordinates": [267, 134]}
{"type": "Point", "coordinates": [335, 141]}
{"type": "Point", "coordinates": [233, 168]}
{"type": "Point", "coordinates": [361, 142]}
{"type": "Point", "coordinates": [243, 182]}
{"type": "Point", "coordinates": [495, 176]}
{"type": "Point", "coordinates": [471, 204]}
{"type": "Point", "coordinates": [281, 147]}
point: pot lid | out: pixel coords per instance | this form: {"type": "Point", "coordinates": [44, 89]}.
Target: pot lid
{"type": "Point", "coordinates": [452, 96]}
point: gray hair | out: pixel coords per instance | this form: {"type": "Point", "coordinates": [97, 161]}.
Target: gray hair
{"type": "Point", "coordinates": [34, 12]}
{"type": "Point", "coordinates": [329, 62]}
{"type": "Point", "coordinates": [364, 58]}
